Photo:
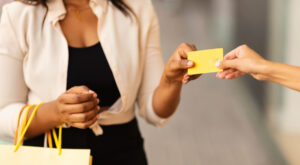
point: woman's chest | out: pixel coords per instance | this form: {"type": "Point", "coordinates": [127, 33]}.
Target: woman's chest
{"type": "Point", "coordinates": [46, 63]}
{"type": "Point", "coordinates": [80, 31]}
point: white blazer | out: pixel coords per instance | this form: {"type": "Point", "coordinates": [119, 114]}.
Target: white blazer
{"type": "Point", "coordinates": [34, 59]}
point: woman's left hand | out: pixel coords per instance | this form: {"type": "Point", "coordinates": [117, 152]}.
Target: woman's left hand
{"type": "Point", "coordinates": [177, 65]}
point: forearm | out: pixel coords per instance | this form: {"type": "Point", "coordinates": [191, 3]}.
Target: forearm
{"type": "Point", "coordinates": [166, 98]}
{"type": "Point", "coordinates": [45, 119]}
{"type": "Point", "coordinates": [282, 74]}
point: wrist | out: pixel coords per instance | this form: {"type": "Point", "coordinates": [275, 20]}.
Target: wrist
{"type": "Point", "coordinates": [165, 81]}
{"type": "Point", "coordinates": [55, 113]}
{"type": "Point", "coordinates": [263, 70]}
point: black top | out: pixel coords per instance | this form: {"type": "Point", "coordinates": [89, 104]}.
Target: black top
{"type": "Point", "coordinates": [89, 66]}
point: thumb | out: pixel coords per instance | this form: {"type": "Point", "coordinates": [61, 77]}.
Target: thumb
{"type": "Point", "coordinates": [80, 90]}
{"type": "Point", "coordinates": [225, 64]}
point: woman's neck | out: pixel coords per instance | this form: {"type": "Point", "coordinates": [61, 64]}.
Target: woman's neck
{"type": "Point", "coordinates": [76, 3]}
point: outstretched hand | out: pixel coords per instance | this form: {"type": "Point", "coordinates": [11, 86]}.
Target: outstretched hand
{"type": "Point", "coordinates": [177, 65]}
{"type": "Point", "coordinates": [240, 61]}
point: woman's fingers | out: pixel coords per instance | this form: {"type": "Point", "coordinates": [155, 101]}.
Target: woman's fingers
{"type": "Point", "coordinates": [81, 90]}
{"type": "Point", "coordinates": [234, 75]}
{"type": "Point", "coordinates": [79, 108]}
{"type": "Point", "coordinates": [234, 63]}
{"type": "Point", "coordinates": [230, 74]}
{"type": "Point", "coordinates": [69, 98]}
{"type": "Point", "coordinates": [187, 78]}
{"type": "Point", "coordinates": [184, 64]}
{"type": "Point", "coordinates": [184, 48]}
{"type": "Point", "coordinates": [85, 125]}
{"type": "Point", "coordinates": [194, 77]}
{"type": "Point", "coordinates": [178, 64]}
{"type": "Point", "coordinates": [223, 74]}
{"type": "Point", "coordinates": [84, 117]}
{"type": "Point", "coordinates": [232, 54]}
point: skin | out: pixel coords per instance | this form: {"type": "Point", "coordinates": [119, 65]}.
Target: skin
{"type": "Point", "coordinates": [243, 60]}
{"type": "Point", "coordinates": [78, 106]}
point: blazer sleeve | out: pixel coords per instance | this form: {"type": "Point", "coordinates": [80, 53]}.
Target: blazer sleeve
{"type": "Point", "coordinates": [153, 69]}
{"type": "Point", "coordinates": [13, 90]}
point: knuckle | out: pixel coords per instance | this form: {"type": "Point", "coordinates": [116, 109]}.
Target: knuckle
{"type": "Point", "coordinates": [244, 46]}
{"type": "Point", "coordinates": [63, 110]}
{"type": "Point", "coordinates": [84, 87]}
{"type": "Point", "coordinates": [76, 98]}
{"type": "Point", "coordinates": [61, 99]}
{"type": "Point", "coordinates": [82, 118]}
{"type": "Point", "coordinates": [85, 117]}
{"type": "Point", "coordinates": [182, 63]}
{"type": "Point", "coordinates": [74, 88]}
{"type": "Point", "coordinates": [194, 47]}
{"type": "Point", "coordinates": [184, 44]}
{"type": "Point", "coordinates": [83, 107]}
{"type": "Point", "coordinates": [85, 125]}
{"type": "Point", "coordinates": [81, 126]}
{"type": "Point", "coordinates": [67, 118]}
{"type": "Point", "coordinates": [173, 64]}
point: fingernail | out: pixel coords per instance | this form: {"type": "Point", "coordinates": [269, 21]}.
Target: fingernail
{"type": "Point", "coordinates": [95, 95]}
{"type": "Point", "coordinates": [98, 101]}
{"type": "Point", "coordinates": [189, 63]}
{"type": "Point", "coordinates": [218, 63]}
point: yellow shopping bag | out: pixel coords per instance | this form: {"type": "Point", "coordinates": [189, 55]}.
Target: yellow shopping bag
{"type": "Point", "coordinates": [25, 155]}
{"type": "Point", "coordinates": [42, 156]}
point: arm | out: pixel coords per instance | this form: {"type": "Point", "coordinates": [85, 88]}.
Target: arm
{"type": "Point", "coordinates": [282, 74]}
{"type": "Point", "coordinates": [13, 89]}
{"type": "Point", "coordinates": [244, 60]}
{"type": "Point", "coordinates": [159, 94]}
{"type": "Point", "coordinates": [77, 107]}
{"type": "Point", "coordinates": [167, 95]}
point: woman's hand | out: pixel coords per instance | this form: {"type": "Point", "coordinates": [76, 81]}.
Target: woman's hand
{"type": "Point", "coordinates": [177, 65]}
{"type": "Point", "coordinates": [167, 95]}
{"type": "Point", "coordinates": [78, 107]}
{"type": "Point", "coordinates": [241, 61]}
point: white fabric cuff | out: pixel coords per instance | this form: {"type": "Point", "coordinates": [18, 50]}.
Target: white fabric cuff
{"type": "Point", "coordinates": [152, 117]}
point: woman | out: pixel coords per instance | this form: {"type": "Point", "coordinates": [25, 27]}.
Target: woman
{"type": "Point", "coordinates": [89, 61]}
{"type": "Point", "coordinates": [244, 60]}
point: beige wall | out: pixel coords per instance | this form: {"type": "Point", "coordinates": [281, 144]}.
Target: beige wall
{"type": "Point", "coordinates": [290, 119]}
{"type": "Point", "coordinates": [284, 41]}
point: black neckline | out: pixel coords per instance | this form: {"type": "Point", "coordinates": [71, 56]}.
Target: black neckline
{"type": "Point", "coordinates": [83, 48]}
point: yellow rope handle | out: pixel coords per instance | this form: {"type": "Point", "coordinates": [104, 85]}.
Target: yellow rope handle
{"type": "Point", "coordinates": [50, 139]}
{"type": "Point", "coordinates": [23, 131]}
{"type": "Point", "coordinates": [55, 138]}
{"type": "Point", "coordinates": [58, 140]}
{"type": "Point", "coordinates": [19, 118]}
{"type": "Point", "coordinates": [24, 122]}
{"type": "Point", "coordinates": [25, 126]}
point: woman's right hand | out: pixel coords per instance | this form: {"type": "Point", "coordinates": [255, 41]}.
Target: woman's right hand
{"type": "Point", "coordinates": [78, 107]}
{"type": "Point", "coordinates": [240, 61]}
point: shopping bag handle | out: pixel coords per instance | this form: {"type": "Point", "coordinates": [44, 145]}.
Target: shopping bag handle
{"type": "Point", "coordinates": [57, 140]}
{"type": "Point", "coordinates": [25, 125]}
{"type": "Point", "coordinates": [19, 118]}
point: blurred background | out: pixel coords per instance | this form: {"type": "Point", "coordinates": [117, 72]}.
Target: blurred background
{"type": "Point", "coordinates": [236, 122]}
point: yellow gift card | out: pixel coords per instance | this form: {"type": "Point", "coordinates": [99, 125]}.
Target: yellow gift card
{"type": "Point", "coordinates": [205, 61]}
